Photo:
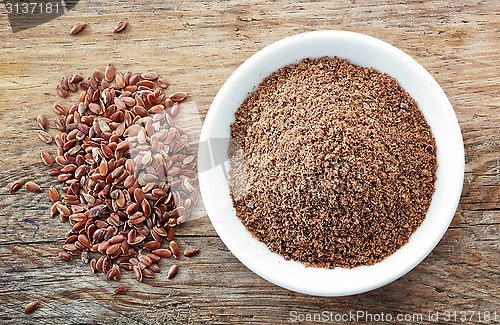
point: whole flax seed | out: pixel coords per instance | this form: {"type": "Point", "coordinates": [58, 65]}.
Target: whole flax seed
{"type": "Point", "coordinates": [120, 26]}
{"type": "Point", "coordinates": [16, 186]}
{"type": "Point", "coordinates": [33, 187]}
{"type": "Point", "coordinates": [337, 163]}
{"type": "Point", "coordinates": [77, 28]}
{"type": "Point", "coordinates": [121, 290]}
{"type": "Point", "coordinates": [127, 173]}
{"type": "Point", "coordinates": [42, 122]}
{"type": "Point", "coordinates": [31, 307]}
{"type": "Point", "coordinates": [190, 252]}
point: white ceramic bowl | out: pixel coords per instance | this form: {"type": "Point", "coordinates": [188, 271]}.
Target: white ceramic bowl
{"type": "Point", "coordinates": [361, 50]}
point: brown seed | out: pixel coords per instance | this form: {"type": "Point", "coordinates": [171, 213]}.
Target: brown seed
{"type": "Point", "coordinates": [60, 125]}
{"type": "Point", "coordinates": [144, 259]}
{"type": "Point", "coordinates": [129, 101]}
{"type": "Point", "coordinates": [76, 78]}
{"type": "Point", "coordinates": [111, 273]}
{"type": "Point", "coordinates": [158, 193]}
{"type": "Point", "coordinates": [118, 275]}
{"type": "Point", "coordinates": [178, 96]}
{"type": "Point", "coordinates": [82, 238]}
{"type": "Point", "coordinates": [53, 172]}
{"type": "Point", "coordinates": [155, 258]}
{"type": "Point", "coordinates": [103, 168]}
{"type": "Point", "coordinates": [64, 83]}
{"type": "Point", "coordinates": [97, 210]}
{"type": "Point", "coordinates": [151, 245]}
{"type": "Point", "coordinates": [61, 91]}
{"type": "Point", "coordinates": [155, 268]}
{"type": "Point", "coordinates": [120, 201]}
{"type": "Point", "coordinates": [120, 80]}
{"type": "Point", "coordinates": [132, 208]}
{"type": "Point", "coordinates": [95, 108]}
{"type": "Point", "coordinates": [175, 109]}
{"type": "Point", "coordinates": [97, 76]}
{"type": "Point", "coordinates": [172, 271]}
{"type": "Point", "coordinates": [188, 159]}
{"type": "Point", "coordinates": [44, 136]}
{"type": "Point", "coordinates": [190, 252]}
{"type": "Point", "coordinates": [33, 187]}
{"type": "Point", "coordinates": [53, 210]}
{"type": "Point", "coordinates": [174, 248]}
{"type": "Point", "coordinates": [147, 272]}
{"type": "Point", "coordinates": [68, 169]}
{"type": "Point", "coordinates": [170, 234]}
{"type": "Point", "coordinates": [80, 171]}
{"type": "Point", "coordinates": [61, 161]}
{"type": "Point", "coordinates": [103, 246]}
{"type": "Point", "coordinates": [163, 253]}
{"type": "Point", "coordinates": [31, 307]}
{"type": "Point", "coordinates": [141, 111]}
{"type": "Point", "coordinates": [79, 26]}
{"type": "Point", "coordinates": [59, 109]}
{"type": "Point", "coordinates": [16, 186]}
{"type": "Point", "coordinates": [116, 239]}
{"type": "Point", "coordinates": [42, 122]}
{"type": "Point", "coordinates": [134, 79]}
{"type": "Point", "coordinates": [121, 290]}
{"type": "Point", "coordinates": [106, 264]}
{"type": "Point", "coordinates": [75, 217]}
{"type": "Point", "coordinates": [63, 210]}
{"type": "Point", "coordinates": [73, 87]}
{"type": "Point", "coordinates": [93, 265]}
{"type": "Point", "coordinates": [120, 26]}
{"type": "Point", "coordinates": [46, 158]}
{"type": "Point", "coordinates": [110, 73]}
{"type": "Point", "coordinates": [113, 248]}
{"type": "Point", "coordinates": [84, 85]}
{"type": "Point", "coordinates": [146, 83]}
{"type": "Point", "coordinates": [53, 194]}
{"type": "Point", "coordinates": [63, 255]}
{"type": "Point", "coordinates": [146, 210]}
{"type": "Point", "coordinates": [70, 247]}
{"type": "Point", "coordinates": [162, 83]}
{"type": "Point", "coordinates": [100, 263]}
{"type": "Point", "coordinates": [64, 177]}
{"type": "Point", "coordinates": [138, 195]}
{"type": "Point", "coordinates": [127, 266]}
{"type": "Point", "coordinates": [149, 76]}
{"type": "Point", "coordinates": [137, 272]}
{"type": "Point", "coordinates": [71, 239]}
{"type": "Point", "coordinates": [168, 103]}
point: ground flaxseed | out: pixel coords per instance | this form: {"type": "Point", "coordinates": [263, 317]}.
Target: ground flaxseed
{"type": "Point", "coordinates": [337, 163]}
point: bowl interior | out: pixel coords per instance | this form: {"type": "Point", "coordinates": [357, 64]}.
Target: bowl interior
{"type": "Point", "coordinates": [361, 50]}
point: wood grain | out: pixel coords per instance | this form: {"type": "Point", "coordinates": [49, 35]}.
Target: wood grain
{"type": "Point", "coordinates": [196, 45]}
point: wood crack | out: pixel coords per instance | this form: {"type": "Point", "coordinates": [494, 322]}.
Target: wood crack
{"type": "Point", "coordinates": [41, 242]}
{"type": "Point", "coordinates": [481, 209]}
{"type": "Point", "coordinates": [465, 226]}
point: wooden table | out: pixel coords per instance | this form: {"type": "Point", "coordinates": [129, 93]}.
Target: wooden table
{"type": "Point", "coordinates": [196, 45]}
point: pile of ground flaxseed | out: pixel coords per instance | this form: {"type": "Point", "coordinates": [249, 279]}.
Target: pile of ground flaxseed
{"type": "Point", "coordinates": [337, 163]}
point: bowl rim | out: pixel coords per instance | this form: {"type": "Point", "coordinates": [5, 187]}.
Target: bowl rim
{"type": "Point", "coordinates": [402, 263]}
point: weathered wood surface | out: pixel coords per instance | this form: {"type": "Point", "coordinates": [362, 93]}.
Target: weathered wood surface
{"type": "Point", "coordinates": [196, 45]}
